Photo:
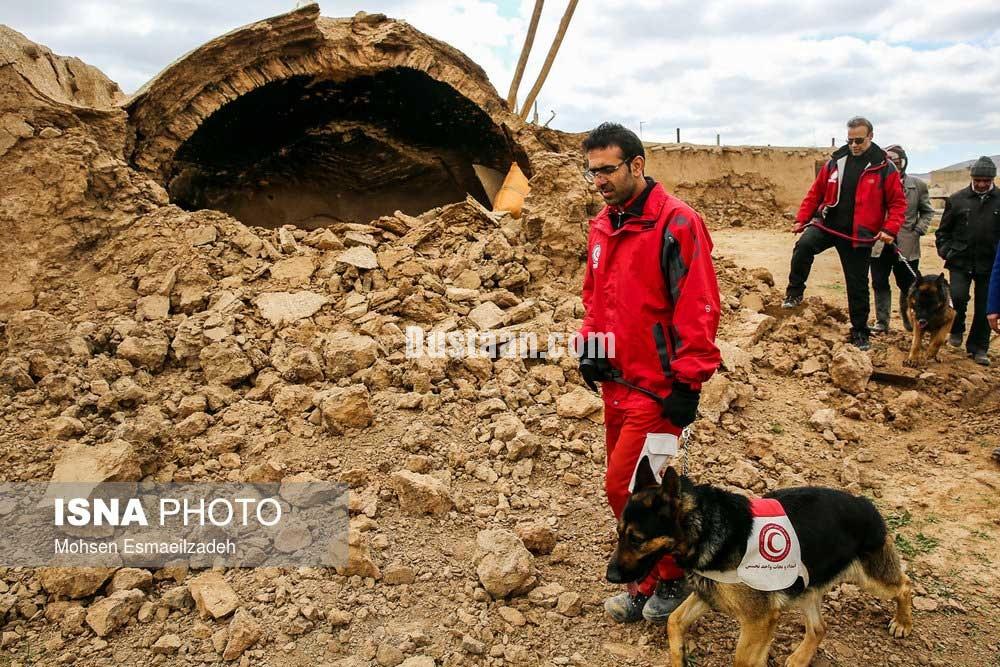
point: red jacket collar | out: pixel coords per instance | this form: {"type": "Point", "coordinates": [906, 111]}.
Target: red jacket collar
{"type": "Point", "coordinates": [650, 211]}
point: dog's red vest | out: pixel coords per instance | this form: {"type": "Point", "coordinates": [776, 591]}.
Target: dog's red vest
{"type": "Point", "coordinates": [773, 558]}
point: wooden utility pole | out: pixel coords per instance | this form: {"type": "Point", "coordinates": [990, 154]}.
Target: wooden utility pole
{"type": "Point", "coordinates": [529, 40]}
{"type": "Point", "coordinates": [549, 59]}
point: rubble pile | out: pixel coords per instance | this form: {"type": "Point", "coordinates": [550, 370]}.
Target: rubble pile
{"type": "Point", "coordinates": [736, 200]}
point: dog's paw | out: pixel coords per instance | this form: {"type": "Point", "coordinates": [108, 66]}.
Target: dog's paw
{"type": "Point", "coordinates": [898, 630]}
{"type": "Point", "coordinates": [911, 363]}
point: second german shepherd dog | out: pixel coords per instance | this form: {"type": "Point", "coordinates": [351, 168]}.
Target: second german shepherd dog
{"type": "Point", "coordinates": [842, 538]}
{"type": "Point", "coordinates": [929, 307]}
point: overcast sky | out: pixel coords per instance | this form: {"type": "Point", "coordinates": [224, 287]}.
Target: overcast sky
{"type": "Point", "coordinates": [755, 71]}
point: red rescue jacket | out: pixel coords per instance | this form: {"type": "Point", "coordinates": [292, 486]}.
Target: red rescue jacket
{"type": "Point", "coordinates": [879, 201]}
{"type": "Point", "coordinates": [662, 332]}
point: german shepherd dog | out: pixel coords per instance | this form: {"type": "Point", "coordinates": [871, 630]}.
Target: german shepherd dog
{"type": "Point", "coordinates": [929, 307]}
{"type": "Point", "coordinates": [842, 538]}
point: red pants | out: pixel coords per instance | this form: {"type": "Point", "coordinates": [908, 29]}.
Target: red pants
{"type": "Point", "coordinates": [626, 423]}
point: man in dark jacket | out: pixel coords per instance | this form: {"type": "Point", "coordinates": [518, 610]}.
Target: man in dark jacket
{"type": "Point", "coordinates": [967, 242]}
{"type": "Point", "coordinates": [885, 259]}
{"type": "Point", "coordinates": [856, 199]}
{"type": "Point", "coordinates": [649, 292]}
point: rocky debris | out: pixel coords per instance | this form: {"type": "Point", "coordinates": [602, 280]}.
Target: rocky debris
{"type": "Point", "coordinates": [281, 308]}
{"type": "Point", "coordinates": [147, 352]}
{"type": "Point", "coordinates": [112, 612]}
{"type": "Point", "coordinates": [359, 560]}
{"type": "Point", "coordinates": [115, 461]}
{"type": "Point", "coordinates": [486, 316]}
{"type": "Point", "coordinates": [720, 394]}
{"type": "Point", "coordinates": [167, 645]}
{"type": "Point", "coordinates": [345, 354]}
{"type": "Point", "coordinates": [850, 369]}
{"type": "Point", "coordinates": [538, 537]}
{"type": "Point", "coordinates": [213, 596]}
{"type": "Point", "coordinates": [344, 408]}
{"type": "Point", "coordinates": [129, 578]}
{"type": "Point", "coordinates": [244, 631]}
{"type": "Point", "coordinates": [225, 363]}
{"type": "Point", "coordinates": [504, 566]}
{"type": "Point", "coordinates": [580, 403]}
{"type": "Point", "coordinates": [360, 257]}
{"type": "Point", "coordinates": [751, 328]}
{"type": "Point", "coordinates": [421, 494]}
{"type": "Point", "coordinates": [734, 358]}
{"type": "Point", "coordinates": [74, 582]}
{"type": "Point", "coordinates": [306, 490]}
{"type": "Point", "coordinates": [308, 327]}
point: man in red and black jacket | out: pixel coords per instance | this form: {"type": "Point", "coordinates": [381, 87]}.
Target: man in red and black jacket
{"type": "Point", "coordinates": [652, 312]}
{"type": "Point", "coordinates": [856, 199]}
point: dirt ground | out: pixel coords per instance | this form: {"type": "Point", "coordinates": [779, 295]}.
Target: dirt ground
{"type": "Point", "coordinates": [772, 249]}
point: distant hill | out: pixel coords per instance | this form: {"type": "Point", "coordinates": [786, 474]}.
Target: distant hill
{"type": "Point", "coordinates": [967, 164]}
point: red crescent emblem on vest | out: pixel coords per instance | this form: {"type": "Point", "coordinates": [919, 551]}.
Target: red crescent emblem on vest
{"type": "Point", "coordinates": [774, 543]}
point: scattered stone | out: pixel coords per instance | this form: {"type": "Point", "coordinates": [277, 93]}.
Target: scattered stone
{"type": "Point", "coordinates": [850, 369]}
{"type": "Point", "coordinates": [167, 645]}
{"type": "Point", "coordinates": [504, 565]}
{"type": "Point", "coordinates": [244, 632]}
{"type": "Point", "coordinates": [213, 596]}
{"type": "Point", "coordinates": [345, 408]}
{"type": "Point", "coordinates": [538, 537]}
{"type": "Point", "coordinates": [569, 604]}
{"type": "Point", "coordinates": [421, 494]}
{"type": "Point", "coordinates": [128, 578]}
{"type": "Point", "coordinates": [115, 461]}
{"type": "Point", "coordinates": [580, 403]}
{"type": "Point", "coordinates": [359, 256]}
{"type": "Point", "coordinates": [486, 316]}
{"type": "Point", "coordinates": [225, 363]}
{"type": "Point", "coordinates": [74, 582]}
{"type": "Point", "coordinates": [294, 270]}
{"type": "Point", "coordinates": [147, 352]}
{"type": "Point", "coordinates": [105, 616]}
{"type": "Point", "coordinates": [306, 490]}
{"type": "Point", "coordinates": [345, 354]}
{"type": "Point", "coordinates": [280, 308]}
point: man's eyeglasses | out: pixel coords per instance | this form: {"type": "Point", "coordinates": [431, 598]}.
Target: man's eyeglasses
{"type": "Point", "coordinates": [857, 141]}
{"type": "Point", "coordinates": [606, 171]}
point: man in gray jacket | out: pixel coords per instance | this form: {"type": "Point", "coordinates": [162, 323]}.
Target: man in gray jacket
{"type": "Point", "coordinates": [885, 261]}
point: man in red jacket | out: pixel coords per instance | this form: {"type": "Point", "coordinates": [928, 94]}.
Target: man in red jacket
{"type": "Point", "coordinates": [651, 295]}
{"type": "Point", "coordinates": [856, 199]}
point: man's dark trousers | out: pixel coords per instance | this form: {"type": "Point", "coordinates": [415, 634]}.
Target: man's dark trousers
{"type": "Point", "coordinates": [962, 283]}
{"type": "Point", "coordinates": [854, 261]}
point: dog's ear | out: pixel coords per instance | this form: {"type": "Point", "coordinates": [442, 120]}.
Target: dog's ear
{"type": "Point", "coordinates": [644, 477]}
{"type": "Point", "coordinates": [941, 279]}
{"type": "Point", "coordinates": [671, 483]}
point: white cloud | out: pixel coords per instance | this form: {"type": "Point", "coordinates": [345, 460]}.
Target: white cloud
{"type": "Point", "coordinates": [758, 71]}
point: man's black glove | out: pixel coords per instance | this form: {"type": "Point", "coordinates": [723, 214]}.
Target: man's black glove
{"type": "Point", "coordinates": [681, 406]}
{"type": "Point", "coordinates": [593, 367]}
